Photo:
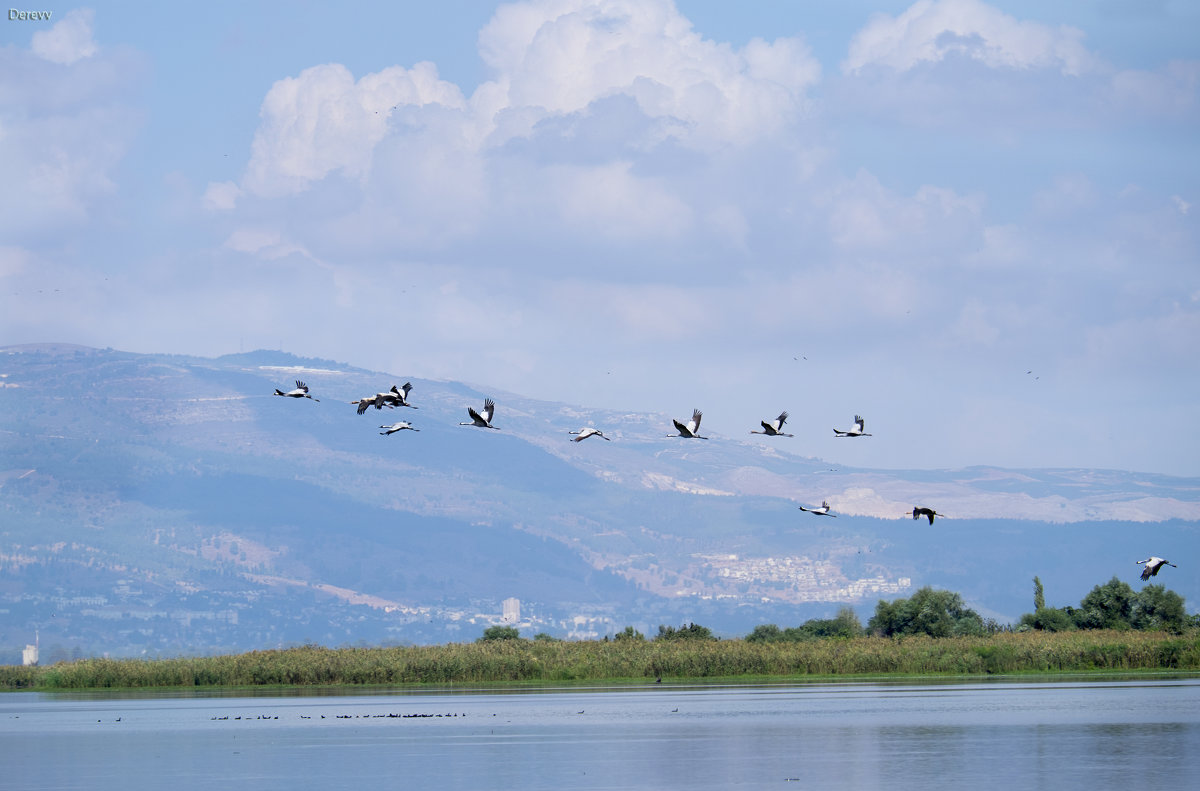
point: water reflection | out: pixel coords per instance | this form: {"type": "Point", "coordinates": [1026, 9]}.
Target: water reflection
{"type": "Point", "coordinates": [1023, 734]}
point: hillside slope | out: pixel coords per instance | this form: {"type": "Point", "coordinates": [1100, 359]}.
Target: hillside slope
{"type": "Point", "coordinates": [166, 503]}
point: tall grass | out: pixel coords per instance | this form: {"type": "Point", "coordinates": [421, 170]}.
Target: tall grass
{"type": "Point", "coordinates": [501, 661]}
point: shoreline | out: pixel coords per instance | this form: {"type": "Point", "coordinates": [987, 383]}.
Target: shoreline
{"type": "Point", "coordinates": [514, 664]}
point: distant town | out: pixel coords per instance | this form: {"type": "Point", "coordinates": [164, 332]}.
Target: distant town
{"type": "Point", "coordinates": [132, 619]}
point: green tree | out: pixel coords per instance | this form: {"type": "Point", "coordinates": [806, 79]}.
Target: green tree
{"type": "Point", "coordinates": [844, 624]}
{"type": "Point", "coordinates": [1049, 619]}
{"type": "Point", "coordinates": [1039, 595]}
{"type": "Point", "coordinates": [500, 633]}
{"type": "Point", "coordinates": [629, 633]}
{"type": "Point", "coordinates": [690, 632]}
{"type": "Point", "coordinates": [1107, 606]}
{"type": "Point", "coordinates": [545, 637]}
{"type": "Point", "coordinates": [1158, 609]}
{"type": "Point", "coordinates": [765, 633]}
{"type": "Point", "coordinates": [936, 613]}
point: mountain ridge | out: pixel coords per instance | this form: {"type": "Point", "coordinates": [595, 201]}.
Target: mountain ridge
{"type": "Point", "coordinates": [271, 498]}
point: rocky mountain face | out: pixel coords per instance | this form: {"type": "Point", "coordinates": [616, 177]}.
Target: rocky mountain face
{"type": "Point", "coordinates": [170, 504]}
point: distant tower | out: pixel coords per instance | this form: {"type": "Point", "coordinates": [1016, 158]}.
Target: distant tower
{"type": "Point", "coordinates": [30, 655]}
{"type": "Point", "coordinates": [511, 610]}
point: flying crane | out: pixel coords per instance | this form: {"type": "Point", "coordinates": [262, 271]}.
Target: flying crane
{"type": "Point", "coordinates": [692, 429]}
{"type": "Point", "coordinates": [775, 427]}
{"type": "Point", "coordinates": [401, 426]}
{"type": "Point", "coordinates": [917, 512]}
{"type": "Point", "coordinates": [482, 419]}
{"type": "Point", "coordinates": [301, 391]}
{"type": "Point", "coordinates": [857, 431]}
{"type": "Point", "coordinates": [823, 510]}
{"type": "Point", "coordinates": [1153, 564]}
{"type": "Point", "coordinates": [584, 433]}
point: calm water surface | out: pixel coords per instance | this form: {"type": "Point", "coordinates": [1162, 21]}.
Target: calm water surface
{"type": "Point", "coordinates": [1011, 735]}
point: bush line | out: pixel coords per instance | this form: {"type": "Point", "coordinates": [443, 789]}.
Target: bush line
{"type": "Point", "coordinates": [500, 661]}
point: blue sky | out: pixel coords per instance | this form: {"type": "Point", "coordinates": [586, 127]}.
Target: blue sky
{"type": "Point", "coordinates": [885, 208]}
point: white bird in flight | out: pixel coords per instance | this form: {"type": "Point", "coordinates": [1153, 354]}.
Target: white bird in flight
{"type": "Point", "coordinates": [857, 431]}
{"type": "Point", "coordinates": [775, 427]}
{"type": "Point", "coordinates": [301, 391]}
{"type": "Point", "coordinates": [584, 433]}
{"type": "Point", "coordinates": [822, 511]}
{"type": "Point", "coordinates": [1153, 564]}
{"type": "Point", "coordinates": [401, 426]}
{"type": "Point", "coordinates": [691, 430]}
{"type": "Point", "coordinates": [482, 419]}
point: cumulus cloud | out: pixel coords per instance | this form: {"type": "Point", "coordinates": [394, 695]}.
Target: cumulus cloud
{"type": "Point", "coordinates": [932, 30]}
{"type": "Point", "coordinates": [69, 40]}
{"type": "Point", "coordinates": [550, 59]}
{"type": "Point", "coordinates": [591, 115]}
{"type": "Point", "coordinates": [562, 55]}
{"type": "Point", "coordinates": [324, 121]}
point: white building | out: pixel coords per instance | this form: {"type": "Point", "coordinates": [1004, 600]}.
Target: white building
{"type": "Point", "coordinates": [511, 610]}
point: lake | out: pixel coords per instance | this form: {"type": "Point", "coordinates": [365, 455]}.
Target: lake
{"type": "Point", "coordinates": [1009, 734]}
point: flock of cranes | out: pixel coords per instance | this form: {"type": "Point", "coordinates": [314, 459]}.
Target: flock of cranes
{"type": "Point", "coordinates": [398, 397]}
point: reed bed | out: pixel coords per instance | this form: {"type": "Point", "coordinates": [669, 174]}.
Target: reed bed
{"type": "Point", "coordinates": [506, 661]}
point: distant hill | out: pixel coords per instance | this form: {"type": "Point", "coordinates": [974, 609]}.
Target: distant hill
{"type": "Point", "coordinates": [167, 503]}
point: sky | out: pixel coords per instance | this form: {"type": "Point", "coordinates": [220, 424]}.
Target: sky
{"type": "Point", "coordinates": [975, 224]}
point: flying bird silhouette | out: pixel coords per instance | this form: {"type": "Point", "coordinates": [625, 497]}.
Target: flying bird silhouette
{"type": "Point", "coordinates": [918, 512]}
{"type": "Point", "coordinates": [398, 396]}
{"type": "Point", "coordinates": [1153, 564]}
{"type": "Point", "coordinates": [371, 401]}
{"type": "Point", "coordinates": [482, 419]}
{"type": "Point", "coordinates": [857, 431]}
{"type": "Point", "coordinates": [301, 391]}
{"type": "Point", "coordinates": [401, 426]}
{"type": "Point", "coordinates": [775, 427]}
{"type": "Point", "coordinates": [584, 433]}
{"type": "Point", "coordinates": [823, 510]}
{"type": "Point", "coordinates": [692, 429]}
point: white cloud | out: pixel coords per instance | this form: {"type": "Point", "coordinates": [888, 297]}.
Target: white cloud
{"type": "Point", "coordinates": [68, 40]}
{"type": "Point", "coordinates": [866, 216]}
{"type": "Point", "coordinates": [266, 244]}
{"type": "Point", "coordinates": [623, 194]}
{"type": "Point", "coordinates": [1172, 91]}
{"type": "Point", "coordinates": [547, 152]}
{"type": "Point", "coordinates": [64, 129]}
{"type": "Point", "coordinates": [58, 168]}
{"type": "Point", "coordinates": [221, 196]}
{"type": "Point", "coordinates": [610, 200]}
{"type": "Point", "coordinates": [932, 30]}
{"type": "Point", "coordinates": [550, 59]}
{"type": "Point", "coordinates": [561, 55]}
{"type": "Point", "coordinates": [323, 121]}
